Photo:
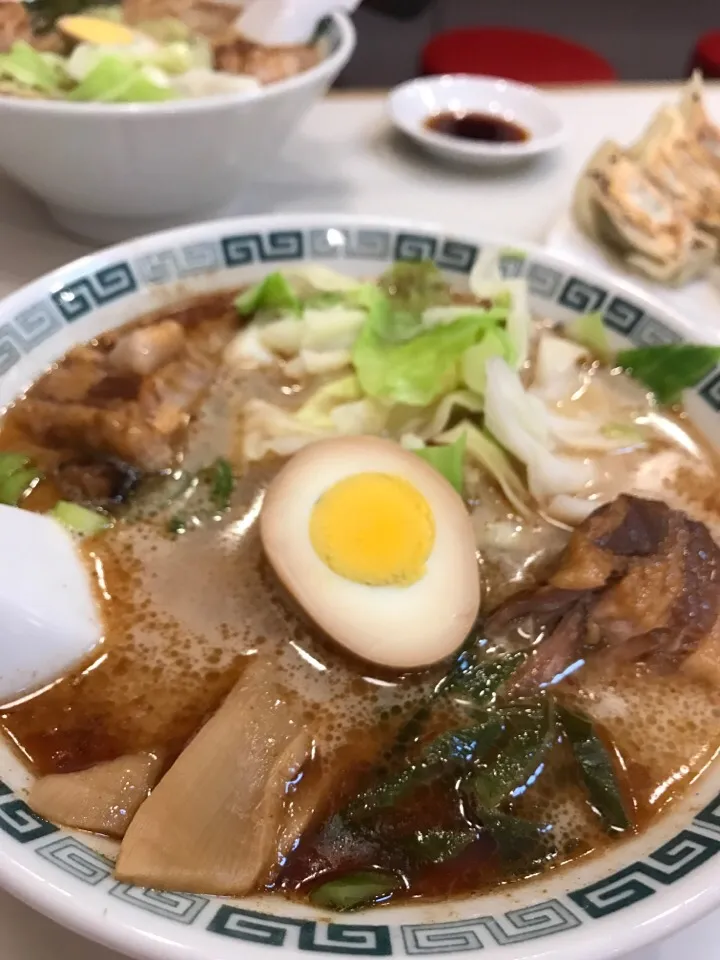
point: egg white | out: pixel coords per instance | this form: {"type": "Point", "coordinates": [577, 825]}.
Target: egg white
{"type": "Point", "coordinates": [396, 627]}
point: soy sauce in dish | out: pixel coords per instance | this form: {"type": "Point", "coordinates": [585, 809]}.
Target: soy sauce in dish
{"type": "Point", "coordinates": [477, 126]}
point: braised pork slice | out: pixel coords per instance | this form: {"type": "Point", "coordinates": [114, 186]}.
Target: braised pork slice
{"type": "Point", "coordinates": [236, 800]}
{"type": "Point", "coordinates": [638, 581]}
{"type": "Point", "coordinates": [131, 394]}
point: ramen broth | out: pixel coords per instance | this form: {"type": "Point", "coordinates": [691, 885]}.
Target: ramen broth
{"type": "Point", "coordinates": [185, 615]}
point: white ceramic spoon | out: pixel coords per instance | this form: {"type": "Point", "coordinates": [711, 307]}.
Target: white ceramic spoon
{"type": "Point", "coordinates": [48, 615]}
{"type": "Point", "coordinates": [280, 22]}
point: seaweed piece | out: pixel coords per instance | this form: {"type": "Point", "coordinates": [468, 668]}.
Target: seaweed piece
{"type": "Point", "coordinates": [481, 681]}
{"type": "Point", "coordinates": [437, 845]}
{"type": "Point", "coordinates": [448, 752]}
{"type": "Point", "coordinates": [519, 842]}
{"type": "Point", "coordinates": [596, 768]}
{"type": "Point", "coordinates": [518, 762]}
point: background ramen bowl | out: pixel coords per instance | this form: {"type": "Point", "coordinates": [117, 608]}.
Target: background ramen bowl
{"type": "Point", "coordinates": [600, 907]}
{"type": "Point", "coordinates": [108, 172]}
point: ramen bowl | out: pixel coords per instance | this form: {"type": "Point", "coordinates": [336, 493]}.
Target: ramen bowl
{"type": "Point", "coordinates": [119, 170]}
{"type": "Point", "coordinates": [636, 891]}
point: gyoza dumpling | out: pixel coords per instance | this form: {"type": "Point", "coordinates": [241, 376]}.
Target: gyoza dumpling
{"type": "Point", "coordinates": [618, 206]}
{"type": "Point", "coordinates": [674, 157]}
{"type": "Point", "coordinates": [663, 155]}
{"type": "Point", "coordinates": [700, 128]}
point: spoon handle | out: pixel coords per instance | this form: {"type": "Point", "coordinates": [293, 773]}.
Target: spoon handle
{"type": "Point", "coordinates": [278, 22]}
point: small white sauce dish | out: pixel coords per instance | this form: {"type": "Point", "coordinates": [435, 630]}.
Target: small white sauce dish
{"type": "Point", "coordinates": [414, 103]}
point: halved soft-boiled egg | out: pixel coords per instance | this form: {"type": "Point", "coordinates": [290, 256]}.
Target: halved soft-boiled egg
{"type": "Point", "coordinates": [376, 547]}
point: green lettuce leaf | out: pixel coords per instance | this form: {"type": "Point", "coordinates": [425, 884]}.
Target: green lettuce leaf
{"type": "Point", "coordinates": [669, 368]}
{"type": "Point", "coordinates": [448, 460]}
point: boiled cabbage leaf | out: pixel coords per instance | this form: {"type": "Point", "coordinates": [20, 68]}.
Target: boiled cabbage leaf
{"type": "Point", "coordinates": [589, 331]}
{"type": "Point", "coordinates": [414, 371]}
{"type": "Point", "coordinates": [273, 293]}
{"type": "Point", "coordinates": [481, 448]}
{"type": "Point", "coordinates": [117, 79]}
{"type": "Point", "coordinates": [495, 343]}
{"type": "Point", "coordinates": [521, 423]}
{"type": "Point", "coordinates": [30, 68]}
{"type": "Point", "coordinates": [449, 460]}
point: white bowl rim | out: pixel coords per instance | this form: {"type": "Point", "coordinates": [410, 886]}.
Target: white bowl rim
{"type": "Point", "coordinates": [191, 105]}
{"type": "Point", "coordinates": [528, 148]}
{"type": "Point", "coordinates": [654, 918]}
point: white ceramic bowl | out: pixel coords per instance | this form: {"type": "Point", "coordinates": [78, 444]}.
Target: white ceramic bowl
{"type": "Point", "coordinates": [601, 907]}
{"type": "Point", "coordinates": [108, 172]}
{"type": "Point", "coordinates": [413, 103]}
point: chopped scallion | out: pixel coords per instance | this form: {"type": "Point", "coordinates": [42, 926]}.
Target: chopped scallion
{"type": "Point", "coordinates": [356, 890]}
{"type": "Point", "coordinates": [79, 519]}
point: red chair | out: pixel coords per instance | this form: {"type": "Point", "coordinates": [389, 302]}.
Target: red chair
{"type": "Point", "coordinates": [706, 56]}
{"type": "Point", "coordinates": [522, 55]}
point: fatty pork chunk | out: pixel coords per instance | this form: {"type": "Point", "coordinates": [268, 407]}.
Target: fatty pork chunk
{"type": "Point", "coordinates": [131, 394]}
{"type": "Point", "coordinates": [638, 582]}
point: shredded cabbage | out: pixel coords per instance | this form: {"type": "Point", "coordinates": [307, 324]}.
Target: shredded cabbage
{"type": "Point", "coordinates": [418, 371]}
{"type": "Point", "coordinates": [270, 429]}
{"type": "Point", "coordinates": [439, 419]}
{"type": "Point", "coordinates": [486, 284]}
{"type": "Point", "coordinates": [29, 68]}
{"type": "Point", "coordinates": [521, 423]}
{"type": "Point", "coordinates": [273, 294]}
{"type": "Point", "coordinates": [495, 343]}
{"type": "Point", "coordinates": [313, 362]}
{"type": "Point", "coordinates": [337, 408]}
{"type": "Point", "coordinates": [589, 331]}
{"type": "Point", "coordinates": [558, 367]}
{"type": "Point", "coordinates": [324, 280]}
{"type": "Point", "coordinates": [116, 79]}
{"type": "Point", "coordinates": [448, 459]}
{"type": "Point", "coordinates": [571, 510]}
{"type": "Point", "coordinates": [335, 328]}
{"type": "Point", "coordinates": [491, 457]}
{"type": "Point", "coordinates": [317, 409]}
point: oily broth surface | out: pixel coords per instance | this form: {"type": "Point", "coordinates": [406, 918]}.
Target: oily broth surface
{"type": "Point", "coordinates": [185, 614]}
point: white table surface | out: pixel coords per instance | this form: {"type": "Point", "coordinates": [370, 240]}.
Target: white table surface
{"type": "Point", "coordinates": [346, 158]}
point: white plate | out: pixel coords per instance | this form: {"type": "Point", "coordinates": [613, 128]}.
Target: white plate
{"type": "Point", "coordinates": [413, 103]}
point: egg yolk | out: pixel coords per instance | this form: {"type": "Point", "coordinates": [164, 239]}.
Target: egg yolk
{"type": "Point", "coordinates": [373, 528]}
{"type": "Point", "coordinates": [95, 30]}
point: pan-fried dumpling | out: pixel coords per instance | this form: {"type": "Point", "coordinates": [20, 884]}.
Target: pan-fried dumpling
{"type": "Point", "coordinates": [700, 128]}
{"type": "Point", "coordinates": [679, 166]}
{"type": "Point", "coordinates": [619, 207]}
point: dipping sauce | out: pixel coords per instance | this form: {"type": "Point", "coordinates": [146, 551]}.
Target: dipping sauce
{"type": "Point", "coordinates": [486, 127]}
